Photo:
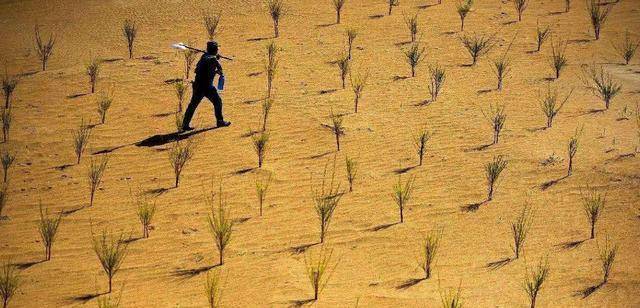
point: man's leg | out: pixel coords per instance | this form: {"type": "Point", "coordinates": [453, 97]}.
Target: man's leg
{"type": "Point", "coordinates": [196, 97]}
{"type": "Point", "coordinates": [214, 97]}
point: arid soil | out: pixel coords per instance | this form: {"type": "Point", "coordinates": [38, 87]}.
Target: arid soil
{"type": "Point", "coordinates": [375, 259]}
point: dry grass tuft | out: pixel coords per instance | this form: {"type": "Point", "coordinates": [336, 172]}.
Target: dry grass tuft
{"type": "Point", "coordinates": [9, 282]}
{"type": "Point", "coordinates": [96, 171]}
{"type": "Point", "coordinates": [130, 31]}
{"type": "Point", "coordinates": [104, 103]}
{"type": "Point", "coordinates": [111, 252]}
{"type": "Point", "coordinates": [338, 5]}
{"type": "Point", "coordinates": [477, 45]}
{"type": "Point", "coordinates": [318, 270]}
{"type": "Point", "coordinates": [179, 155]}
{"type": "Point", "coordinates": [551, 104]}
{"type": "Point", "coordinates": [358, 83]}
{"type": "Point", "coordinates": [428, 252]}
{"type": "Point", "coordinates": [211, 22]}
{"type": "Point", "coordinates": [326, 197]}
{"type": "Point", "coordinates": [593, 205]}
{"type": "Point", "coordinates": [81, 140]}
{"type": "Point", "coordinates": [415, 55]}
{"type": "Point", "coordinates": [402, 193]}
{"type": "Point", "coordinates": [220, 224]}
{"type": "Point", "coordinates": [44, 49]}
{"type": "Point", "coordinates": [48, 228]}
{"type": "Point", "coordinates": [534, 280]}
{"type": "Point", "coordinates": [493, 170]}
{"type": "Point", "coordinates": [598, 13]}
{"type": "Point", "coordinates": [276, 11]}
{"type": "Point", "coordinates": [213, 288]}
{"type": "Point", "coordinates": [7, 159]}
{"type": "Point", "coordinates": [260, 141]}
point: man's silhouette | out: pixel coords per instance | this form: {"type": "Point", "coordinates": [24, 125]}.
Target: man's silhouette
{"type": "Point", "coordinates": [206, 70]}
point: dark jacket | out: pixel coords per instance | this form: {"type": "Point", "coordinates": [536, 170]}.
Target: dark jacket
{"type": "Point", "coordinates": [206, 69]}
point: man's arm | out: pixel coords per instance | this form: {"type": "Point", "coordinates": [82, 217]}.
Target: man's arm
{"type": "Point", "coordinates": [216, 65]}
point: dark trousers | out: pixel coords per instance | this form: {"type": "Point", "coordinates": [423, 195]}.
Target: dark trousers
{"type": "Point", "coordinates": [200, 92]}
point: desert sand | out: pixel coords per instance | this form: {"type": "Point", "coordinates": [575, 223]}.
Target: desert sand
{"type": "Point", "coordinates": [375, 259]}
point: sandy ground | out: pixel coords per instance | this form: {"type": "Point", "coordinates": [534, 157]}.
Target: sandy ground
{"type": "Point", "coordinates": [262, 267]}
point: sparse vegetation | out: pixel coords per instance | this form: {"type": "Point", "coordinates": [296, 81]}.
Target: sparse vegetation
{"type": "Point", "coordinates": [104, 103]}
{"type": "Point", "coordinates": [6, 123]}
{"type": "Point", "coordinates": [358, 82]}
{"type": "Point", "coordinates": [626, 48]}
{"type": "Point", "coordinates": [567, 6]}
{"type": "Point", "coordinates": [326, 197]}
{"type": "Point", "coordinates": [593, 205]}
{"type": "Point", "coordinates": [477, 45]}
{"type": "Point", "coordinates": [266, 108]}
{"type": "Point", "coordinates": [420, 143]}
{"type": "Point", "coordinates": [9, 84]}
{"type": "Point", "coordinates": [211, 22]}
{"type": "Point", "coordinates": [262, 187]}
{"type": "Point", "coordinates": [109, 302]}
{"type": "Point", "coordinates": [7, 160]}
{"type": "Point", "coordinates": [189, 56]}
{"type": "Point", "coordinates": [338, 5]}
{"type": "Point", "coordinates": [520, 6]}
{"type": "Point", "coordinates": [111, 252]}
{"type": "Point", "coordinates": [392, 3]}
{"type": "Point", "coordinates": [130, 31]}
{"type": "Point", "coordinates": [48, 228]}
{"type": "Point", "coordinates": [519, 230]}
{"type": "Point", "coordinates": [213, 288]}
{"type": "Point", "coordinates": [260, 141]}
{"type": "Point", "coordinates": [602, 84]}
{"type": "Point", "coordinates": [3, 197]}
{"type": "Point", "coordinates": [220, 224]}
{"type": "Point", "coordinates": [181, 90]}
{"type": "Point", "coordinates": [402, 193]}
{"type": "Point", "coordinates": [493, 170]}
{"type": "Point", "coordinates": [271, 67]}
{"type": "Point", "coordinates": [437, 76]}
{"type": "Point", "coordinates": [93, 70]}
{"type": "Point", "coordinates": [9, 282]}
{"type": "Point", "coordinates": [96, 171]}
{"type": "Point", "coordinates": [145, 210]}
{"type": "Point", "coordinates": [428, 252]}
{"type": "Point", "coordinates": [572, 151]}
{"type": "Point", "coordinates": [558, 56]}
{"type": "Point", "coordinates": [336, 127]}
{"type": "Point", "coordinates": [451, 298]}
{"type": "Point", "coordinates": [352, 171]}
{"type": "Point", "coordinates": [607, 257]}
{"type": "Point", "coordinates": [463, 8]}
{"type": "Point", "coordinates": [318, 270]}
{"type": "Point", "coordinates": [179, 155]}
{"type": "Point", "coordinates": [496, 117]}
{"type": "Point", "coordinates": [44, 49]}
{"type": "Point", "coordinates": [343, 64]}
{"type": "Point", "coordinates": [178, 119]}
{"type": "Point", "coordinates": [551, 104]}
{"type": "Point", "coordinates": [81, 140]}
{"type": "Point", "coordinates": [534, 280]}
{"type": "Point", "coordinates": [541, 35]}
{"type": "Point", "coordinates": [412, 24]}
{"type": "Point", "coordinates": [415, 55]}
{"type": "Point", "coordinates": [352, 34]}
{"type": "Point", "coordinates": [276, 10]}
{"type": "Point", "coordinates": [502, 66]}
{"type": "Point", "coordinates": [598, 14]}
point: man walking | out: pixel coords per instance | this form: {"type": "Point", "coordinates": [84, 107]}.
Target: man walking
{"type": "Point", "coordinates": [206, 70]}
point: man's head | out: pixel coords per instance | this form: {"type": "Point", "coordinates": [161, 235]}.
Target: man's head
{"type": "Point", "coordinates": [212, 48]}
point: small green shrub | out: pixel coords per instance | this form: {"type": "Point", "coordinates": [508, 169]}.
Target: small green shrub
{"type": "Point", "coordinates": [96, 171]}
{"type": "Point", "coordinates": [402, 193]}
{"type": "Point", "coordinates": [493, 170]}
{"type": "Point", "coordinates": [352, 171]}
{"type": "Point", "coordinates": [477, 45]}
{"type": "Point", "coordinates": [81, 140]}
{"type": "Point", "coordinates": [337, 5]}
{"type": "Point", "coordinates": [9, 282]}
{"type": "Point", "coordinates": [593, 205]}
{"type": "Point", "coordinates": [260, 142]}
{"type": "Point", "coordinates": [211, 22]}
{"type": "Point", "coordinates": [415, 55]}
{"type": "Point", "coordinates": [9, 84]}
{"type": "Point", "coordinates": [7, 160]}
{"type": "Point", "coordinates": [420, 143]}
{"type": "Point", "coordinates": [463, 8]}
{"type": "Point", "coordinates": [534, 280]}
{"type": "Point", "coordinates": [627, 48]}
{"type": "Point", "coordinates": [220, 224]}
{"type": "Point", "coordinates": [437, 75]}
{"type": "Point", "coordinates": [93, 70]}
{"type": "Point", "coordinates": [326, 197]}
{"type": "Point", "coordinates": [111, 252]}
{"type": "Point", "coordinates": [179, 155]}
{"type": "Point", "coordinates": [336, 126]}
{"type": "Point", "coordinates": [541, 35]}
{"type": "Point", "coordinates": [104, 103]}
{"type": "Point", "coordinates": [428, 251]}
{"type": "Point", "coordinates": [213, 288]}
{"type": "Point", "coordinates": [276, 11]}
{"type": "Point", "coordinates": [598, 14]}
{"type": "Point", "coordinates": [130, 31]}
{"type": "Point", "coordinates": [44, 49]}
{"type": "Point", "coordinates": [318, 270]}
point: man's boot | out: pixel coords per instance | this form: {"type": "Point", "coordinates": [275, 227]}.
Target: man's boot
{"type": "Point", "coordinates": [223, 123]}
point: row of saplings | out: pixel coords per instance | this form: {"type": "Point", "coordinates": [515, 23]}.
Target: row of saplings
{"type": "Point", "coordinates": [111, 251]}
